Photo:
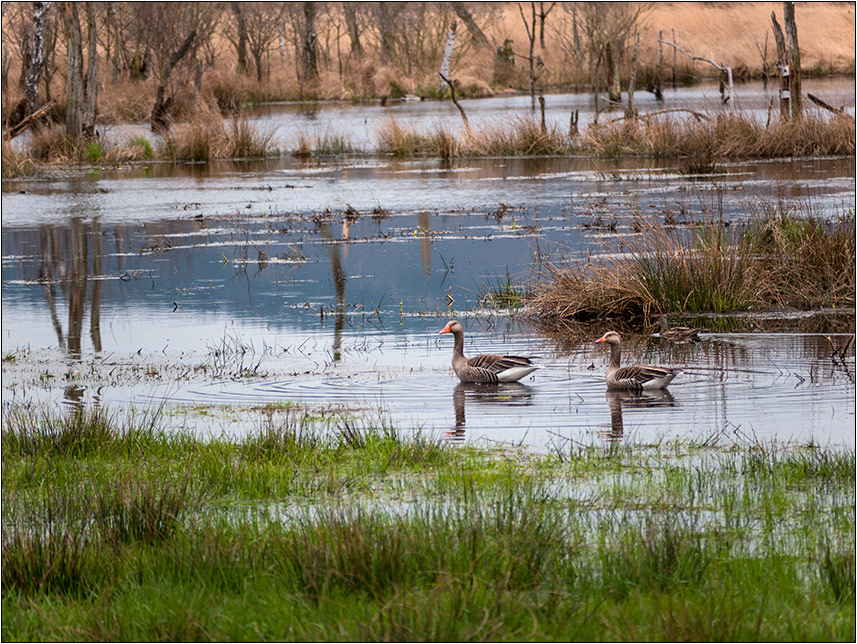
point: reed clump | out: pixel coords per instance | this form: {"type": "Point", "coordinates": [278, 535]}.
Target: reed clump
{"type": "Point", "coordinates": [393, 138]}
{"type": "Point", "coordinates": [16, 164]}
{"type": "Point", "coordinates": [209, 136]}
{"type": "Point", "coordinates": [523, 137]}
{"type": "Point", "coordinates": [723, 137]}
{"type": "Point", "coordinates": [776, 261]}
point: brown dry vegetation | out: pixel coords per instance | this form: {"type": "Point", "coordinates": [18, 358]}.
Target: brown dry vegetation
{"type": "Point", "coordinates": [722, 137]}
{"type": "Point", "coordinates": [779, 260]}
{"type": "Point", "coordinates": [728, 31]}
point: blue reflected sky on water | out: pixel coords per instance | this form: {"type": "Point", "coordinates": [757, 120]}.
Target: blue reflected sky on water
{"type": "Point", "coordinates": [338, 276]}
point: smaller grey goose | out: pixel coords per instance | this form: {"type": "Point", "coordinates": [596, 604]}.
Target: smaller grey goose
{"type": "Point", "coordinates": [677, 333]}
{"type": "Point", "coordinates": [635, 377]}
{"type": "Point", "coordinates": [489, 367]}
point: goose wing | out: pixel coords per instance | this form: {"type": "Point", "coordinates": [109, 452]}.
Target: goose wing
{"type": "Point", "coordinates": [487, 367]}
{"type": "Point", "coordinates": [681, 333]}
{"type": "Point", "coordinates": [640, 375]}
{"type": "Point", "coordinates": [494, 363]}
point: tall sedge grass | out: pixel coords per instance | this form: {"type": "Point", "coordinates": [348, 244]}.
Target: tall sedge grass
{"type": "Point", "coordinates": [724, 137]}
{"type": "Point", "coordinates": [16, 164]}
{"type": "Point", "coordinates": [776, 261]}
{"type": "Point", "coordinates": [210, 136]}
{"type": "Point", "coordinates": [145, 536]}
{"type": "Point", "coordinates": [707, 141]}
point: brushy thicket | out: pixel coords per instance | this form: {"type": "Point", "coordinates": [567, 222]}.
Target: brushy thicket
{"type": "Point", "coordinates": [772, 262]}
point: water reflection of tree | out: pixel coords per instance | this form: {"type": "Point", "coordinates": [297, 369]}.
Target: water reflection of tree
{"type": "Point", "coordinates": [424, 223]}
{"type": "Point", "coordinates": [64, 262]}
{"type": "Point", "coordinates": [338, 283]}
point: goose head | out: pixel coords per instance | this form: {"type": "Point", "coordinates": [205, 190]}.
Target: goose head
{"type": "Point", "coordinates": [452, 326]}
{"type": "Point", "coordinates": [611, 337]}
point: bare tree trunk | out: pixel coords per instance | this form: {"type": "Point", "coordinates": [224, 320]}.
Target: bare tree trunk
{"type": "Point", "coordinates": [794, 59]}
{"type": "Point", "coordinates": [90, 107]}
{"type": "Point", "coordinates": [543, 14]}
{"type": "Point", "coordinates": [447, 55]}
{"type": "Point", "coordinates": [455, 102]}
{"type": "Point", "coordinates": [310, 44]}
{"type": "Point", "coordinates": [353, 29]}
{"type": "Point", "coordinates": [26, 62]}
{"type": "Point", "coordinates": [614, 87]}
{"type": "Point", "coordinates": [37, 62]}
{"type": "Point", "coordinates": [159, 111]}
{"type": "Point", "coordinates": [658, 89]}
{"type": "Point", "coordinates": [282, 42]}
{"type": "Point", "coordinates": [385, 27]}
{"type": "Point", "coordinates": [629, 111]}
{"type": "Point", "coordinates": [242, 36]}
{"type": "Point", "coordinates": [531, 36]}
{"type": "Point", "coordinates": [478, 36]}
{"type": "Point", "coordinates": [74, 79]}
{"type": "Point", "coordinates": [113, 26]}
{"type": "Point", "coordinates": [675, 54]}
{"type": "Point", "coordinates": [782, 67]}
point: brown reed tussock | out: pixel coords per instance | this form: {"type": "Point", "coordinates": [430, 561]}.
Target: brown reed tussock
{"type": "Point", "coordinates": [777, 261]}
{"type": "Point", "coordinates": [724, 137]}
{"type": "Point", "coordinates": [400, 141]}
{"type": "Point", "coordinates": [209, 136]}
{"type": "Point", "coordinates": [16, 164]}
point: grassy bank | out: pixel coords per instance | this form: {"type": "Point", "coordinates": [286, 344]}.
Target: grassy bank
{"type": "Point", "coordinates": [776, 260]}
{"type": "Point", "coordinates": [705, 141]}
{"type": "Point", "coordinates": [117, 531]}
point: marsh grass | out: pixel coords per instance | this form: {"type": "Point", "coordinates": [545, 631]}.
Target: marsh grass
{"type": "Point", "coordinates": [777, 260]}
{"type": "Point", "coordinates": [209, 136]}
{"type": "Point", "coordinates": [503, 293]}
{"type": "Point", "coordinates": [354, 530]}
{"type": "Point", "coordinates": [326, 143]}
{"type": "Point", "coordinates": [16, 164]}
{"type": "Point", "coordinates": [703, 142]}
{"type": "Point", "coordinates": [723, 137]}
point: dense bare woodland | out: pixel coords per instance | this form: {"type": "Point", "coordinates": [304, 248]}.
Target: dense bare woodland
{"type": "Point", "coordinates": [159, 62]}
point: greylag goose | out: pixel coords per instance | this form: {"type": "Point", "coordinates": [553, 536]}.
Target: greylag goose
{"type": "Point", "coordinates": [677, 333]}
{"type": "Point", "coordinates": [489, 367]}
{"type": "Point", "coordinates": [635, 377]}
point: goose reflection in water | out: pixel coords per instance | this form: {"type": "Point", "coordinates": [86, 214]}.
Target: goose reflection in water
{"type": "Point", "coordinates": [510, 394]}
{"type": "Point", "coordinates": [616, 400]}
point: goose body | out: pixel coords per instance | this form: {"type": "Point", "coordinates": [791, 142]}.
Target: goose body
{"type": "Point", "coordinates": [677, 333]}
{"type": "Point", "coordinates": [489, 367]}
{"type": "Point", "coordinates": [635, 377]}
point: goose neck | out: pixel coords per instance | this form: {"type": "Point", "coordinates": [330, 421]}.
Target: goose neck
{"type": "Point", "coordinates": [615, 355]}
{"type": "Point", "coordinates": [458, 349]}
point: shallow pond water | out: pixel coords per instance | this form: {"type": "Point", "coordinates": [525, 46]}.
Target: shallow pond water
{"type": "Point", "coordinates": [219, 290]}
{"type": "Point", "coordinates": [360, 124]}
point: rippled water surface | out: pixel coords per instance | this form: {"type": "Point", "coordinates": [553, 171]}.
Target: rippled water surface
{"type": "Point", "coordinates": [218, 290]}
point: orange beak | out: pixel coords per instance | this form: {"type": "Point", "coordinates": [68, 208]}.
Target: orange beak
{"type": "Point", "coordinates": [445, 329]}
{"type": "Point", "coordinates": [601, 339]}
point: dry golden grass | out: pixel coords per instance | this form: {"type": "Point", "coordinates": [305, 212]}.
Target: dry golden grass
{"type": "Point", "coordinates": [210, 136]}
{"type": "Point", "coordinates": [16, 164]}
{"type": "Point", "coordinates": [778, 260]}
{"type": "Point", "coordinates": [724, 137]}
{"type": "Point", "coordinates": [728, 31]}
